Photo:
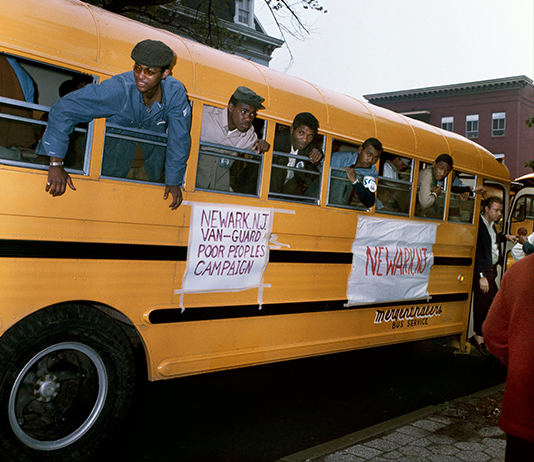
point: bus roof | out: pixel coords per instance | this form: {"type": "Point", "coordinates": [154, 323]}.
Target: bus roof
{"type": "Point", "coordinates": [87, 38]}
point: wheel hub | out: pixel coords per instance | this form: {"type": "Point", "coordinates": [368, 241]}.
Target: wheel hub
{"type": "Point", "coordinates": [46, 388]}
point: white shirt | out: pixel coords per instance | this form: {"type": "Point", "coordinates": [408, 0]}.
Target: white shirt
{"type": "Point", "coordinates": [291, 163]}
{"type": "Point", "coordinates": [517, 250]}
{"type": "Point", "coordinates": [493, 236]}
{"type": "Point", "coordinates": [390, 171]}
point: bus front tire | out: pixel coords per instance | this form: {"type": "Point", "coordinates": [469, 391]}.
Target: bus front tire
{"type": "Point", "coordinates": [67, 381]}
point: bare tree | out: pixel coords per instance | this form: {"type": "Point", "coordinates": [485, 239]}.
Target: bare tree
{"type": "Point", "coordinates": [204, 25]}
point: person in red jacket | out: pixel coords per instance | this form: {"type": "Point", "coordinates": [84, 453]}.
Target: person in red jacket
{"type": "Point", "coordinates": [509, 335]}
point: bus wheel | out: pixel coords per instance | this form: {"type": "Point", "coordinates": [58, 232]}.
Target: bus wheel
{"type": "Point", "coordinates": [67, 381]}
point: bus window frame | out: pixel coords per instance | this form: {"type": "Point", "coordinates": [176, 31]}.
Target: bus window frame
{"type": "Point", "coordinates": [196, 147]}
{"type": "Point", "coordinates": [446, 193]}
{"type": "Point", "coordinates": [278, 196]}
{"type": "Point", "coordinates": [162, 135]}
{"type": "Point", "coordinates": [89, 131]}
{"type": "Point", "coordinates": [245, 152]}
{"type": "Point", "coordinates": [456, 196]}
{"type": "Point", "coordinates": [382, 179]}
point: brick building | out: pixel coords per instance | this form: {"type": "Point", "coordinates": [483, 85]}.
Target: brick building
{"type": "Point", "coordinates": [491, 112]}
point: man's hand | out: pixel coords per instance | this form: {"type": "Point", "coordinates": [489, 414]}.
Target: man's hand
{"type": "Point", "coordinates": [480, 190]}
{"type": "Point", "coordinates": [351, 174]}
{"type": "Point", "coordinates": [315, 156]}
{"type": "Point", "coordinates": [261, 146]}
{"type": "Point", "coordinates": [511, 238]}
{"type": "Point", "coordinates": [522, 239]}
{"type": "Point", "coordinates": [176, 193]}
{"type": "Point", "coordinates": [58, 179]}
{"type": "Point", "coordinates": [465, 195]}
{"type": "Point", "coordinates": [436, 190]}
{"type": "Point", "coordinates": [484, 285]}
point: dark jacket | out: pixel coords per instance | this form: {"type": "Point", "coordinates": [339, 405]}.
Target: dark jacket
{"type": "Point", "coordinates": [483, 262]}
{"type": "Point", "coordinates": [282, 143]}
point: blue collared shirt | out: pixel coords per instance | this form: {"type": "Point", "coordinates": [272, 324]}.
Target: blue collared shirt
{"type": "Point", "coordinates": [118, 100]}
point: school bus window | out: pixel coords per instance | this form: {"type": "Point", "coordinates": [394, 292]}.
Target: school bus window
{"type": "Point", "coordinates": [522, 225]}
{"type": "Point", "coordinates": [294, 175]}
{"type": "Point", "coordinates": [523, 213]}
{"type": "Point", "coordinates": [340, 190]}
{"type": "Point", "coordinates": [228, 161]}
{"type": "Point", "coordinates": [27, 91]}
{"type": "Point", "coordinates": [462, 202]}
{"type": "Point", "coordinates": [134, 154]}
{"type": "Point", "coordinates": [394, 185]}
{"type": "Point", "coordinates": [430, 193]}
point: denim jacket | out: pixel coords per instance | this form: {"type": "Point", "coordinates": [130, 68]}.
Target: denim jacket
{"type": "Point", "coordinates": [118, 100]}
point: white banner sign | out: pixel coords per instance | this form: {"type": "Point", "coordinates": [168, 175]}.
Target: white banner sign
{"type": "Point", "coordinates": [228, 248]}
{"type": "Point", "coordinates": [391, 260]}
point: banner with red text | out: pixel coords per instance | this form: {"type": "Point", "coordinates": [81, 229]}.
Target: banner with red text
{"type": "Point", "coordinates": [391, 260]}
{"type": "Point", "coordinates": [228, 248]}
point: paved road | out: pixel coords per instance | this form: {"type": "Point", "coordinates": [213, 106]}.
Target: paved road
{"type": "Point", "coordinates": [264, 413]}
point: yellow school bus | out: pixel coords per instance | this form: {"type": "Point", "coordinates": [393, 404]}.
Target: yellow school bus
{"type": "Point", "coordinates": [233, 277]}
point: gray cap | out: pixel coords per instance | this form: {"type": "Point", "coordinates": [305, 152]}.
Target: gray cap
{"type": "Point", "coordinates": [152, 53]}
{"type": "Point", "coordinates": [247, 96]}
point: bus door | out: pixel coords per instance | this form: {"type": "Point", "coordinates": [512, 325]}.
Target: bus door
{"type": "Point", "coordinates": [498, 189]}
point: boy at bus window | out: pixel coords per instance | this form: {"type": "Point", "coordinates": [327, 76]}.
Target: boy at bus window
{"type": "Point", "coordinates": [383, 196]}
{"type": "Point", "coordinates": [431, 185]}
{"type": "Point", "coordinates": [145, 98]}
{"type": "Point", "coordinates": [394, 166]}
{"type": "Point", "coordinates": [361, 172]}
{"type": "Point", "coordinates": [298, 141]}
{"type": "Point", "coordinates": [230, 126]}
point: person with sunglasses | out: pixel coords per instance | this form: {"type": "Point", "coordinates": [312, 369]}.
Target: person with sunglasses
{"type": "Point", "coordinates": [146, 98]}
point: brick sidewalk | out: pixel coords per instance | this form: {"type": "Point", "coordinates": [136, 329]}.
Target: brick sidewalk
{"type": "Point", "coordinates": [462, 430]}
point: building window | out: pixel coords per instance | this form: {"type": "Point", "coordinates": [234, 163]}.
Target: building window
{"type": "Point", "coordinates": [471, 126]}
{"type": "Point", "coordinates": [447, 123]}
{"type": "Point", "coordinates": [499, 157]}
{"type": "Point", "coordinates": [245, 12]}
{"type": "Point", "coordinates": [498, 123]}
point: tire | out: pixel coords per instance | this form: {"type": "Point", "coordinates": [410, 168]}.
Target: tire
{"type": "Point", "coordinates": [66, 384]}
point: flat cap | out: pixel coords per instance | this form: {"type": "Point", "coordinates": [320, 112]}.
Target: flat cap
{"type": "Point", "coordinates": [406, 161]}
{"type": "Point", "coordinates": [247, 96]}
{"type": "Point", "coordinates": [152, 53]}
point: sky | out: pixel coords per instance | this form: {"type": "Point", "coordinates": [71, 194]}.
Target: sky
{"type": "Point", "coordinates": [363, 47]}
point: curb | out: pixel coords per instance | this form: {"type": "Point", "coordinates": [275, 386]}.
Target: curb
{"type": "Point", "coordinates": [384, 427]}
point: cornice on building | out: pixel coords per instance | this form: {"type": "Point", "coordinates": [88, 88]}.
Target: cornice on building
{"type": "Point", "coordinates": [483, 86]}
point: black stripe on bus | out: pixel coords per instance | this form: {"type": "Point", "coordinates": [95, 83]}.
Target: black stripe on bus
{"type": "Point", "coordinates": [18, 248]}
{"type": "Point", "coordinates": [174, 315]}
{"type": "Point", "coordinates": [453, 261]}
{"type": "Point", "coordinates": [304, 256]}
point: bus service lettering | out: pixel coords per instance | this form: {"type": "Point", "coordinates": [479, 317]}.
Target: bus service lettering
{"type": "Point", "coordinates": [408, 317]}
